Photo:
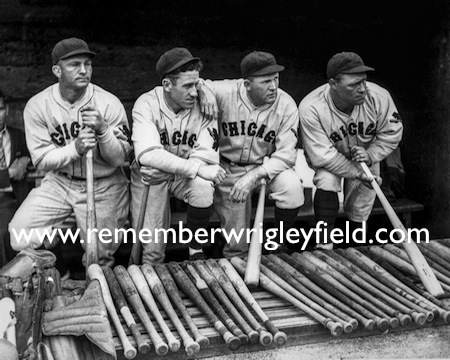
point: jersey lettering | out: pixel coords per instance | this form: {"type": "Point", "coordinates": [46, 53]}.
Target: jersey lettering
{"type": "Point", "coordinates": [232, 129]}
{"type": "Point", "coordinates": [215, 136]}
{"type": "Point", "coordinates": [58, 137]}
{"type": "Point", "coordinates": [178, 138]}
{"type": "Point", "coordinates": [164, 138]}
{"type": "Point", "coordinates": [352, 130]}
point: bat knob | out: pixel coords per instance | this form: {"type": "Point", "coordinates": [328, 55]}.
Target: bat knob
{"type": "Point", "coordinates": [144, 348]}
{"type": "Point", "coordinates": [348, 328]}
{"type": "Point", "coordinates": [130, 353]}
{"type": "Point", "coordinates": [354, 323]}
{"type": "Point", "coordinates": [233, 343]}
{"type": "Point", "coordinates": [369, 324]}
{"type": "Point", "coordinates": [265, 338]}
{"type": "Point", "coordinates": [382, 324]}
{"type": "Point", "coordinates": [203, 341]}
{"type": "Point", "coordinates": [192, 348]}
{"type": "Point", "coordinates": [253, 336]}
{"type": "Point", "coordinates": [419, 318]}
{"type": "Point", "coordinates": [280, 338]}
{"type": "Point", "coordinates": [405, 320]}
{"type": "Point", "coordinates": [335, 328]}
{"type": "Point", "coordinates": [162, 349]}
{"type": "Point", "coordinates": [394, 323]}
{"type": "Point", "coordinates": [243, 338]}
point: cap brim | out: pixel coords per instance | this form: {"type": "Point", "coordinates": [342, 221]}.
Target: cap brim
{"type": "Point", "coordinates": [271, 69]}
{"type": "Point", "coordinates": [181, 63]}
{"type": "Point", "coordinates": [77, 52]}
{"type": "Point", "coordinates": [358, 69]}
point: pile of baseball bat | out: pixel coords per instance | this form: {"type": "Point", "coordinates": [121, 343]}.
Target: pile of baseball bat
{"type": "Point", "coordinates": [165, 307]}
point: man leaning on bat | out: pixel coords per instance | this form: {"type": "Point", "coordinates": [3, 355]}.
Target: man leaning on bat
{"type": "Point", "coordinates": [256, 119]}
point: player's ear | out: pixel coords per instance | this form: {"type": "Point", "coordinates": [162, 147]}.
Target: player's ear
{"type": "Point", "coordinates": [167, 84]}
{"type": "Point", "coordinates": [247, 84]}
{"type": "Point", "coordinates": [332, 82]}
{"type": "Point", "coordinates": [56, 69]}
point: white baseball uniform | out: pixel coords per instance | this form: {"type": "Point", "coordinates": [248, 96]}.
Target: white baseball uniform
{"type": "Point", "coordinates": [175, 143]}
{"type": "Point", "coordinates": [328, 134]}
{"type": "Point", "coordinates": [52, 125]}
{"type": "Point", "coordinates": [248, 133]}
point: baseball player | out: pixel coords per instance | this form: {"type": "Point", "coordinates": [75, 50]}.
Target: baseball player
{"type": "Point", "coordinates": [256, 120]}
{"type": "Point", "coordinates": [176, 149]}
{"type": "Point", "coordinates": [343, 122]}
{"type": "Point", "coordinates": [62, 123]}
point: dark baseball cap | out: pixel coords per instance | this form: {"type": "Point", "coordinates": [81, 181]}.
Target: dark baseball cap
{"type": "Point", "coordinates": [172, 60]}
{"type": "Point", "coordinates": [70, 47]}
{"type": "Point", "coordinates": [346, 63]}
{"type": "Point", "coordinates": [259, 63]}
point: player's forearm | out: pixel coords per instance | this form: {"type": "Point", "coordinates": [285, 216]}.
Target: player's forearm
{"type": "Point", "coordinates": [379, 150]}
{"type": "Point", "coordinates": [165, 161]}
{"type": "Point", "coordinates": [342, 167]}
{"type": "Point", "coordinates": [113, 150]}
{"type": "Point", "coordinates": [274, 166]}
{"type": "Point", "coordinates": [57, 158]}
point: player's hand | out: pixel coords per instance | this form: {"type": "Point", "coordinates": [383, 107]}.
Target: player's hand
{"type": "Point", "coordinates": [18, 168]}
{"type": "Point", "coordinates": [214, 173]}
{"type": "Point", "coordinates": [208, 102]}
{"type": "Point", "coordinates": [361, 155]}
{"type": "Point", "coordinates": [85, 141]}
{"type": "Point", "coordinates": [92, 118]}
{"type": "Point", "coordinates": [242, 188]}
{"type": "Point", "coordinates": [367, 180]}
{"type": "Point", "coordinates": [152, 176]}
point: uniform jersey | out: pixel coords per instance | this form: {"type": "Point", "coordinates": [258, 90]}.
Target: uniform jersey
{"type": "Point", "coordinates": [248, 133]}
{"type": "Point", "coordinates": [52, 125]}
{"type": "Point", "coordinates": [328, 134]}
{"type": "Point", "coordinates": [174, 143]}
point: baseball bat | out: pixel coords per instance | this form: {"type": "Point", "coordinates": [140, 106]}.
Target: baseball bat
{"type": "Point", "coordinates": [441, 273]}
{"type": "Point", "coordinates": [255, 250]}
{"type": "Point", "coordinates": [95, 272]}
{"type": "Point", "coordinates": [405, 287]}
{"type": "Point", "coordinates": [279, 337]}
{"type": "Point", "coordinates": [173, 293]}
{"type": "Point", "coordinates": [439, 248]}
{"type": "Point", "coordinates": [334, 313]}
{"type": "Point", "coordinates": [265, 337]}
{"type": "Point", "coordinates": [213, 302]}
{"type": "Point", "coordinates": [289, 264]}
{"type": "Point", "coordinates": [277, 286]}
{"type": "Point", "coordinates": [341, 291]}
{"type": "Point", "coordinates": [185, 283]}
{"type": "Point", "coordinates": [382, 275]}
{"type": "Point", "coordinates": [365, 289]}
{"type": "Point", "coordinates": [433, 255]}
{"type": "Point", "coordinates": [136, 249]}
{"type": "Point", "coordinates": [146, 295]}
{"type": "Point", "coordinates": [426, 275]}
{"type": "Point", "coordinates": [121, 304]}
{"type": "Point", "coordinates": [213, 284]}
{"type": "Point", "coordinates": [131, 294]}
{"type": "Point", "coordinates": [91, 219]}
{"type": "Point", "coordinates": [151, 277]}
{"type": "Point", "coordinates": [402, 264]}
{"type": "Point", "coordinates": [390, 296]}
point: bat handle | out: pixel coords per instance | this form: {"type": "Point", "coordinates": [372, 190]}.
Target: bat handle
{"type": "Point", "coordinates": [91, 220]}
{"type": "Point", "coordinates": [136, 249]}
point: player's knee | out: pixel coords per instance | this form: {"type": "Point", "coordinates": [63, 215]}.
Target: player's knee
{"type": "Point", "coordinates": [289, 190]}
{"type": "Point", "coordinates": [200, 193]}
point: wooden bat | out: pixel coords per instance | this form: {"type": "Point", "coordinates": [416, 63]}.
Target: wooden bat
{"type": "Point", "coordinates": [95, 272]}
{"type": "Point", "coordinates": [185, 283]}
{"type": "Point", "coordinates": [265, 337]}
{"type": "Point", "coordinates": [424, 271]}
{"type": "Point", "coordinates": [434, 255]}
{"type": "Point", "coordinates": [255, 250]}
{"type": "Point", "coordinates": [367, 290]}
{"type": "Point", "coordinates": [136, 249]}
{"type": "Point", "coordinates": [213, 284]}
{"type": "Point", "coordinates": [439, 248]}
{"type": "Point", "coordinates": [121, 304]}
{"type": "Point", "coordinates": [268, 284]}
{"type": "Point", "coordinates": [91, 219]}
{"type": "Point", "coordinates": [279, 337]}
{"type": "Point", "coordinates": [390, 296]}
{"type": "Point", "coordinates": [397, 285]}
{"type": "Point", "coordinates": [131, 294]}
{"type": "Point", "coordinates": [172, 292]}
{"type": "Point", "coordinates": [382, 275]}
{"type": "Point", "coordinates": [147, 297]}
{"type": "Point", "coordinates": [213, 302]}
{"type": "Point", "coordinates": [333, 286]}
{"type": "Point", "coordinates": [334, 313]}
{"type": "Point", "coordinates": [149, 274]}
{"type": "Point", "coordinates": [303, 276]}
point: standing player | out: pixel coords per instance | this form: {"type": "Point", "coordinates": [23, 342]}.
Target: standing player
{"type": "Point", "coordinates": [62, 123]}
{"type": "Point", "coordinates": [256, 120]}
{"type": "Point", "coordinates": [176, 153]}
{"type": "Point", "coordinates": [346, 121]}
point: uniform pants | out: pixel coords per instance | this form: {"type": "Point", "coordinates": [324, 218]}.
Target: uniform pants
{"type": "Point", "coordinates": [358, 198]}
{"type": "Point", "coordinates": [285, 189]}
{"type": "Point", "coordinates": [58, 197]}
{"type": "Point", "coordinates": [196, 192]}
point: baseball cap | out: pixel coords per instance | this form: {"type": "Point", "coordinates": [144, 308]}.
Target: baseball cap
{"type": "Point", "coordinates": [172, 60]}
{"type": "Point", "coordinates": [259, 63]}
{"type": "Point", "coordinates": [346, 63]}
{"type": "Point", "coordinates": [70, 47]}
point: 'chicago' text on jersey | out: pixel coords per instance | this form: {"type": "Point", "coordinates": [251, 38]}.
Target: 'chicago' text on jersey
{"type": "Point", "coordinates": [352, 130]}
{"type": "Point", "coordinates": [234, 128]}
{"type": "Point", "coordinates": [178, 138]}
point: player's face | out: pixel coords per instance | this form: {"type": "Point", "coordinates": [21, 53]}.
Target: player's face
{"type": "Point", "coordinates": [3, 113]}
{"type": "Point", "coordinates": [263, 89]}
{"type": "Point", "coordinates": [182, 93]}
{"type": "Point", "coordinates": [75, 72]}
{"type": "Point", "coordinates": [351, 88]}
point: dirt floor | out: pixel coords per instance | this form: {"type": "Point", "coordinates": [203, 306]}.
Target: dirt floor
{"type": "Point", "coordinates": [428, 343]}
